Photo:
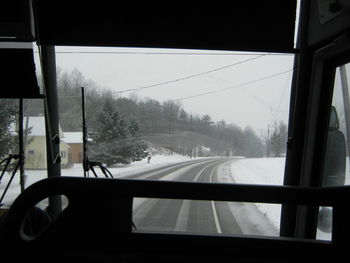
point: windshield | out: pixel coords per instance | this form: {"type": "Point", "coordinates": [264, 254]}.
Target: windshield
{"type": "Point", "coordinates": [176, 115]}
{"type": "Point", "coordinates": [174, 105]}
{"type": "Point", "coordinates": [179, 115]}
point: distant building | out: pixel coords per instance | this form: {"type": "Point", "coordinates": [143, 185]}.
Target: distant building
{"type": "Point", "coordinates": [35, 144]}
{"type": "Point", "coordinates": [202, 151]}
{"type": "Point", "coordinates": [75, 142]}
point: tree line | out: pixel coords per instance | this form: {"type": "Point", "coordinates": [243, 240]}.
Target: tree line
{"type": "Point", "coordinates": [123, 127]}
{"type": "Point", "coordinates": [165, 124]}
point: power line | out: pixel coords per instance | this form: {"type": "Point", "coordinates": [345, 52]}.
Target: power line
{"type": "Point", "coordinates": [190, 76]}
{"type": "Point", "coordinates": [250, 94]}
{"type": "Point", "coordinates": [256, 97]}
{"type": "Point", "coordinates": [283, 94]}
{"type": "Point", "coordinates": [235, 86]}
{"type": "Point", "coordinates": [171, 53]}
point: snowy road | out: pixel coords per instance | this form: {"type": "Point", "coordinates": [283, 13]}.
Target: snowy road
{"type": "Point", "coordinates": [198, 216]}
{"type": "Point", "coordinates": [187, 215]}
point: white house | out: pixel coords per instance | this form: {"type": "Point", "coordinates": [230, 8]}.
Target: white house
{"type": "Point", "coordinates": [35, 144]}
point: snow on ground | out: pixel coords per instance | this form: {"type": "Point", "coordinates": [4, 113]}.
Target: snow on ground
{"type": "Point", "coordinates": [269, 171]}
{"type": "Point", "coordinates": [143, 165]}
{"type": "Point", "coordinates": [261, 171]}
{"type": "Point", "coordinates": [33, 176]}
{"type": "Point", "coordinates": [258, 171]}
{"type": "Point", "coordinates": [240, 170]}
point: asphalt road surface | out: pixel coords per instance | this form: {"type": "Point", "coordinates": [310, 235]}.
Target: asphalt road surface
{"type": "Point", "coordinates": [204, 217]}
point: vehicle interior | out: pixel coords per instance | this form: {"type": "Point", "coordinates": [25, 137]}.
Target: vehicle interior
{"type": "Point", "coordinates": [98, 224]}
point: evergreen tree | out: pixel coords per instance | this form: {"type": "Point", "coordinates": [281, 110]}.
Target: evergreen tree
{"type": "Point", "coordinates": [137, 149]}
{"type": "Point", "coordinates": [8, 139]}
{"type": "Point", "coordinates": [119, 140]}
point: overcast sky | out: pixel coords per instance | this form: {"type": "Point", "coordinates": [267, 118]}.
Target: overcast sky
{"type": "Point", "coordinates": [245, 89]}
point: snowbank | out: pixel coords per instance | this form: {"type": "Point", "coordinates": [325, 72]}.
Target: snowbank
{"type": "Point", "coordinates": [261, 171]}
{"type": "Point", "coordinates": [239, 170]}
{"type": "Point", "coordinates": [33, 176]}
{"type": "Point", "coordinates": [258, 171]}
{"type": "Point", "coordinates": [269, 171]}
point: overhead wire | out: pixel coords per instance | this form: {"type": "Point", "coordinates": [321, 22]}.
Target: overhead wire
{"type": "Point", "coordinates": [246, 91]}
{"type": "Point", "coordinates": [283, 93]}
{"type": "Point", "coordinates": [236, 86]}
{"type": "Point", "coordinates": [190, 76]}
{"type": "Point", "coordinates": [213, 53]}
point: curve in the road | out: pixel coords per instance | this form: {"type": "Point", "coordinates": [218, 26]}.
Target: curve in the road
{"type": "Point", "coordinates": [196, 216]}
{"type": "Point", "coordinates": [186, 215]}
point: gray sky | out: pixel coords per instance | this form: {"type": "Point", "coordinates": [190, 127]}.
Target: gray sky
{"type": "Point", "coordinates": [243, 88]}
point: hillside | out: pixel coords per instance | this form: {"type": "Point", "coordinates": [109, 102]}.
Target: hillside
{"type": "Point", "coordinates": [165, 124]}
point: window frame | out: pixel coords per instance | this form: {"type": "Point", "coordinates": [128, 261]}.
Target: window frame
{"type": "Point", "coordinates": [325, 62]}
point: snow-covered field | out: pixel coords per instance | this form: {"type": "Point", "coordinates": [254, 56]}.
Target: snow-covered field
{"type": "Point", "coordinates": [240, 170]}
{"type": "Point", "coordinates": [33, 176]}
{"type": "Point", "coordinates": [257, 171]}
{"type": "Point", "coordinates": [269, 171]}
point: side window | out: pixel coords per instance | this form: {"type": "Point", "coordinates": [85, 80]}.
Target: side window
{"type": "Point", "coordinates": [34, 144]}
{"type": "Point", "coordinates": [335, 158]}
{"type": "Point", "coordinates": [336, 162]}
{"type": "Point", "coordinates": [336, 170]}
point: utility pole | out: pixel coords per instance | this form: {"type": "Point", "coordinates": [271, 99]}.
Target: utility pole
{"type": "Point", "coordinates": [21, 146]}
{"type": "Point", "coordinates": [268, 141]}
{"type": "Point", "coordinates": [346, 102]}
{"type": "Point", "coordinates": [85, 158]}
